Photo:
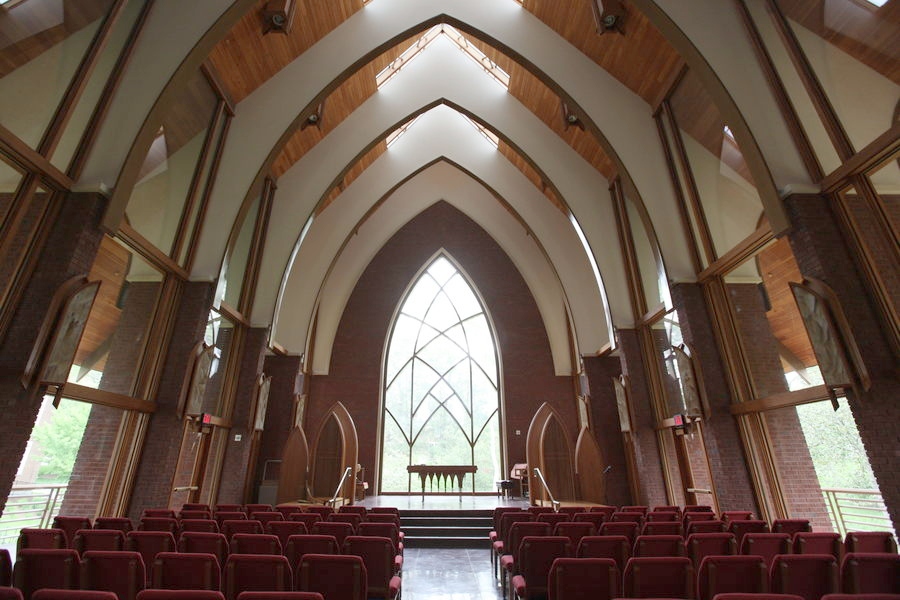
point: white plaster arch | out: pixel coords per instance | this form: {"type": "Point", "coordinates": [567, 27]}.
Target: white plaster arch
{"type": "Point", "coordinates": [466, 147]}
{"type": "Point", "coordinates": [309, 179]}
{"type": "Point", "coordinates": [263, 117]}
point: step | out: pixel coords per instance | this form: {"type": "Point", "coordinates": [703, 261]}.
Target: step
{"type": "Point", "coordinates": [446, 528]}
{"type": "Point", "coordinates": [446, 542]}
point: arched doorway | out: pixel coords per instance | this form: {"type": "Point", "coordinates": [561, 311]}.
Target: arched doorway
{"type": "Point", "coordinates": [441, 382]}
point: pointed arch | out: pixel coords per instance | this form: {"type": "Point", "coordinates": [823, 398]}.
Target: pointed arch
{"type": "Point", "coordinates": [441, 380]}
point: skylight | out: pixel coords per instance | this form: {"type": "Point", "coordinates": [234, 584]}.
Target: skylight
{"type": "Point", "coordinates": [454, 35]}
{"type": "Point", "coordinates": [487, 133]}
{"type": "Point", "coordinates": [878, 3]}
{"type": "Point", "coordinates": [392, 137]}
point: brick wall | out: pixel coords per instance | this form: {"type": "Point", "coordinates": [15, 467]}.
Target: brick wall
{"type": "Point", "coordinates": [159, 454]}
{"type": "Point", "coordinates": [649, 467]}
{"type": "Point", "coordinates": [287, 381]}
{"type": "Point", "coordinates": [727, 461]}
{"type": "Point", "coordinates": [237, 454]}
{"type": "Point", "coordinates": [822, 252]}
{"type": "Point", "coordinates": [526, 363]}
{"type": "Point", "coordinates": [76, 237]}
{"type": "Point", "coordinates": [605, 421]}
{"type": "Point", "coordinates": [92, 462]}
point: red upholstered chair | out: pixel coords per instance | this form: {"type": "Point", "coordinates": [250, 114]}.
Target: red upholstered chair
{"type": "Point", "coordinates": [119, 572]}
{"type": "Point", "coordinates": [148, 544]}
{"type": "Point", "coordinates": [280, 596]}
{"type": "Point", "coordinates": [266, 517]}
{"type": "Point", "coordinates": [207, 525]}
{"type": "Point", "coordinates": [230, 508]}
{"type": "Point", "coordinates": [769, 596]}
{"type": "Point", "coordinates": [871, 573]}
{"type": "Point", "coordinates": [767, 545]}
{"type": "Point", "coordinates": [362, 511]}
{"type": "Point", "coordinates": [697, 508]}
{"type": "Point", "coordinates": [199, 542]}
{"type": "Point", "coordinates": [614, 547]}
{"type": "Point", "coordinates": [45, 539]}
{"type": "Point", "coordinates": [742, 528]}
{"type": "Point", "coordinates": [666, 509]}
{"type": "Point", "coordinates": [518, 531]}
{"type": "Point", "coordinates": [635, 509]}
{"type": "Point", "coordinates": [571, 510]}
{"type": "Point", "coordinates": [159, 524]}
{"type": "Point", "coordinates": [352, 518]}
{"type": "Point", "coordinates": [256, 572]}
{"type": "Point", "coordinates": [159, 513]}
{"type": "Point", "coordinates": [700, 545]}
{"type": "Point", "coordinates": [498, 547]}
{"type": "Point", "coordinates": [627, 517]}
{"type": "Point", "coordinates": [662, 528]}
{"type": "Point", "coordinates": [388, 530]}
{"type": "Point", "coordinates": [288, 509]}
{"type": "Point", "coordinates": [583, 579]}
{"type": "Point", "coordinates": [574, 531]}
{"type": "Point", "coordinates": [628, 529]}
{"type": "Point", "coordinates": [384, 518]}
{"type": "Point", "coordinates": [808, 542]}
{"type": "Point", "coordinates": [377, 554]}
{"type": "Point", "coordinates": [659, 577]}
{"type": "Point", "coordinates": [494, 535]}
{"type": "Point", "coordinates": [184, 571]}
{"type": "Point", "coordinates": [790, 526]}
{"type": "Point", "coordinates": [180, 595]}
{"type": "Point", "coordinates": [195, 506]}
{"type": "Point", "coordinates": [861, 597]}
{"type": "Point", "coordinates": [870, 541]}
{"type": "Point", "coordinates": [715, 526]}
{"type": "Point", "coordinates": [322, 511]}
{"type": "Point", "coordinates": [536, 510]}
{"type": "Point", "coordinates": [663, 516]}
{"type": "Point", "coordinates": [11, 593]}
{"type": "Point", "coordinates": [553, 518]}
{"type": "Point", "coordinates": [596, 518]}
{"type": "Point", "coordinates": [255, 543]}
{"type": "Point", "coordinates": [694, 516]}
{"type": "Point", "coordinates": [736, 515]}
{"type": "Point", "coordinates": [724, 574]}
{"type": "Point", "coordinates": [391, 510]}
{"type": "Point", "coordinates": [658, 545]}
{"type": "Point", "coordinates": [253, 508]}
{"type": "Point", "coordinates": [334, 576]}
{"type": "Point", "coordinates": [228, 515]}
{"type": "Point", "coordinates": [233, 526]}
{"type": "Point", "coordinates": [604, 510]}
{"type": "Point", "coordinates": [123, 524]}
{"type": "Point", "coordinates": [300, 545]}
{"type": "Point", "coordinates": [5, 568]}
{"type": "Point", "coordinates": [536, 556]}
{"type": "Point", "coordinates": [51, 594]}
{"type": "Point", "coordinates": [340, 531]}
{"type": "Point", "coordinates": [308, 519]}
{"type": "Point", "coordinates": [71, 525]}
{"type": "Point", "coordinates": [108, 540]}
{"type": "Point", "coordinates": [38, 568]}
{"type": "Point", "coordinates": [194, 514]}
{"type": "Point", "coordinates": [285, 529]}
{"type": "Point", "coordinates": [808, 575]}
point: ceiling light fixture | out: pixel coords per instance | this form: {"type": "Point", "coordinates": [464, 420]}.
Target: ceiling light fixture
{"type": "Point", "coordinates": [609, 15]}
{"type": "Point", "coordinates": [570, 119]}
{"type": "Point", "coordinates": [278, 16]}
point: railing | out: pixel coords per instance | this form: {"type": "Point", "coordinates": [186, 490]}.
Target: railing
{"type": "Point", "coordinates": [553, 502]}
{"type": "Point", "coordinates": [857, 510]}
{"type": "Point", "coordinates": [32, 505]}
{"type": "Point", "coordinates": [348, 472]}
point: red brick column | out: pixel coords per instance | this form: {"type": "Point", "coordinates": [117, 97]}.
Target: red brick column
{"type": "Point", "coordinates": [823, 252]}
{"type": "Point", "coordinates": [237, 454]}
{"type": "Point", "coordinates": [74, 240]}
{"type": "Point", "coordinates": [728, 463]}
{"type": "Point", "coordinates": [649, 467]}
{"type": "Point", "coordinates": [159, 456]}
{"type": "Point", "coordinates": [607, 431]}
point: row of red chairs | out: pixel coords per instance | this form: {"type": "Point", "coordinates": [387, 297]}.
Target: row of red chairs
{"type": "Point", "coordinates": [809, 576]}
{"type": "Point", "coordinates": [124, 572]}
{"type": "Point", "coordinates": [11, 593]}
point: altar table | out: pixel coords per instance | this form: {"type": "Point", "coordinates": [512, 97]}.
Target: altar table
{"type": "Point", "coordinates": [447, 473]}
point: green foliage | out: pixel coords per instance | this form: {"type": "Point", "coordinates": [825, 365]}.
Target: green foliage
{"type": "Point", "coordinates": [835, 446]}
{"type": "Point", "coordinates": [59, 438]}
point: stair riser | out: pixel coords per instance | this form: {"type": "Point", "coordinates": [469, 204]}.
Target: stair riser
{"type": "Point", "coordinates": [432, 522]}
{"type": "Point", "coordinates": [446, 532]}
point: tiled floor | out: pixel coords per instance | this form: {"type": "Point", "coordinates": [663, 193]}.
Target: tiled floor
{"type": "Point", "coordinates": [449, 574]}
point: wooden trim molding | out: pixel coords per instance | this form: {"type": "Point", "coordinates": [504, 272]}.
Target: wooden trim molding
{"type": "Point", "coordinates": [105, 398]}
{"type": "Point", "coordinates": [816, 393]}
{"type": "Point", "coordinates": [877, 151]}
{"type": "Point", "coordinates": [740, 253]}
{"type": "Point", "coordinates": [31, 160]}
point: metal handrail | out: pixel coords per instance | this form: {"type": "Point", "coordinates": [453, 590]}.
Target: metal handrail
{"type": "Point", "coordinates": [347, 473]}
{"type": "Point", "coordinates": [553, 502]}
{"type": "Point", "coordinates": [856, 509]}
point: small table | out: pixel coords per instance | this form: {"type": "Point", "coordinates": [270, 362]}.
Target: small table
{"type": "Point", "coordinates": [446, 472]}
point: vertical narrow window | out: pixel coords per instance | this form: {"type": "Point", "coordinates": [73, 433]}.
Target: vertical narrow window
{"type": "Point", "coordinates": [441, 383]}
